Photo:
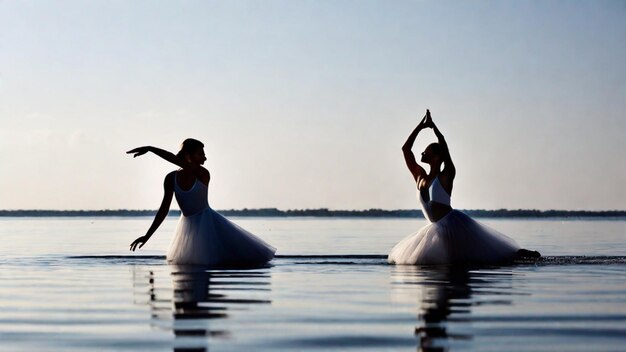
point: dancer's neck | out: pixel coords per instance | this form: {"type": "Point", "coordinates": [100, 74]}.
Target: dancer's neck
{"type": "Point", "coordinates": [435, 169]}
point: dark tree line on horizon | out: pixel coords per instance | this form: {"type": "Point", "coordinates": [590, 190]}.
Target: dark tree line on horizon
{"type": "Point", "coordinates": [326, 213]}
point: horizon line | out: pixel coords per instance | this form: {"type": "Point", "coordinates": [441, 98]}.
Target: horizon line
{"type": "Point", "coordinates": [314, 209]}
{"type": "Point", "coordinates": [325, 213]}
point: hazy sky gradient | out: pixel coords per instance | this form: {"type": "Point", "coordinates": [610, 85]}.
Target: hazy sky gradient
{"type": "Point", "coordinates": [305, 104]}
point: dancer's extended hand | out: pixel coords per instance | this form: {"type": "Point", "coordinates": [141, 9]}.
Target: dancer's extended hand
{"type": "Point", "coordinates": [428, 121]}
{"type": "Point", "coordinates": [139, 241]}
{"type": "Point", "coordinates": [138, 151]}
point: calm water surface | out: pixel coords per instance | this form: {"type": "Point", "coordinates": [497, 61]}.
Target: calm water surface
{"type": "Point", "coordinates": [71, 285]}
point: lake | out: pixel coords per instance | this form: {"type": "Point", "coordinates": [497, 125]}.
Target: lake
{"type": "Point", "coordinates": [70, 284]}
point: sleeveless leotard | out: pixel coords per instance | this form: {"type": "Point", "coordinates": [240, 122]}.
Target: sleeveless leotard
{"type": "Point", "coordinates": [433, 194]}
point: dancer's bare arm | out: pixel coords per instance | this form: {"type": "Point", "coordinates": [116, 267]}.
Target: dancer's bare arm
{"type": "Point", "coordinates": [200, 172]}
{"type": "Point", "coordinates": [449, 171]}
{"type": "Point", "coordinates": [416, 170]}
{"type": "Point", "coordinates": [164, 154]}
{"type": "Point", "coordinates": [168, 187]}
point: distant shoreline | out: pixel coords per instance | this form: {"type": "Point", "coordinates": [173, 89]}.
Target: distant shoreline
{"type": "Point", "coordinates": [326, 213]}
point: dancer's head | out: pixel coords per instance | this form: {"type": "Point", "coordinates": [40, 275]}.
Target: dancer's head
{"type": "Point", "coordinates": [192, 150]}
{"type": "Point", "coordinates": [432, 154]}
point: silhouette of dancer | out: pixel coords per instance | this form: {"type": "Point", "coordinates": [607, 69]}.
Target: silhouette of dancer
{"type": "Point", "coordinates": [451, 237]}
{"type": "Point", "coordinates": [203, 236]}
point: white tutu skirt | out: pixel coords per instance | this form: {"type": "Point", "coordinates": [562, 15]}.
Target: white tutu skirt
{"type": "Point", "coordinates": [208, 238]}
{"type": "Point", "coordinates": [454, 239]}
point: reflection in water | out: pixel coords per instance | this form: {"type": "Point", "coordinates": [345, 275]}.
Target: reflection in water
{"type": "Point", "coordinates": [448, 295]}
{"type": "Point", "coordinates": [184, 299]}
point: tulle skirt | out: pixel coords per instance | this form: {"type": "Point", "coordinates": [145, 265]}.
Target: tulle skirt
{"type": "Point", "coordinates": [208, 238]}
{"type": "Point", "coordinates": [454, 239]}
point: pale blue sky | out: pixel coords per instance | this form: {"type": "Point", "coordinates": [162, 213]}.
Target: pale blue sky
{"type": "Point", "coordinates": [305, 104]}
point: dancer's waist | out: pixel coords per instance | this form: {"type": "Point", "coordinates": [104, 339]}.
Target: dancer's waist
{"type": "Point", "coordinates": [195, 211]}
{"type": "Point", "coordinates": [436, 211]}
